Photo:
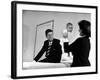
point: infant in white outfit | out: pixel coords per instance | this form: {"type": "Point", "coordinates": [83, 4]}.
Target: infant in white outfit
{"type": "Point", "coordinates": [64, 39]}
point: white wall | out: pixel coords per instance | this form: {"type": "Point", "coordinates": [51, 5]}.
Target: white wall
{"type": "Point", "coordinates": [32, 18]}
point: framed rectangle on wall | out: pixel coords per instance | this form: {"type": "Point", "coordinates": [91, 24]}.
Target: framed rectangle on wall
{"type": "Point", "coordinates": [40, 28]}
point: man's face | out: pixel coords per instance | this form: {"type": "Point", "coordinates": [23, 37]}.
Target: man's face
{"type": "Point", "coordinates": [50, 36]}
{"type": "Point", "coordinates": [70, 28]}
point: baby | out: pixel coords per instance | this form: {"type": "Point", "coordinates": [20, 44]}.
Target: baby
{"type": "Point", "coordinates": [64, 41]}
{"type": "Point", "coordinates": [66, 56]}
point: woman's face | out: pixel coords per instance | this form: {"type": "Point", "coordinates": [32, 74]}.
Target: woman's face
{"type": "Point", "coordinates": [80, 31]}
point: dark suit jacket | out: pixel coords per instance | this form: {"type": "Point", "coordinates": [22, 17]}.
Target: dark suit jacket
{"type": "Point", "coordinates": [80, 50]}
{"type": "Point", "coordinates": [55, 52]}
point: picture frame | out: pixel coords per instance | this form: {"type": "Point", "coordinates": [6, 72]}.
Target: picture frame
{"type": "Point", "coordinates": [16, 39]}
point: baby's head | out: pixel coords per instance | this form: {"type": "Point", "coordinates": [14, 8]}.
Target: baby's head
{"type": "Point", "coordinates": [65, 33]}
{"type": "Point", "coordinates": [69, 27]}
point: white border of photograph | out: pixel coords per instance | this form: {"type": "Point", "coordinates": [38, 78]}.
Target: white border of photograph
{"type": "Point", "coordinates": [35, 72]}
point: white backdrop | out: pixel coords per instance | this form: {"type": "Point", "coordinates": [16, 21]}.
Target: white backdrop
{"type": "Point", "coordinates": [5, 40]}
{"type": "Point", "coordinates": [32, 18]}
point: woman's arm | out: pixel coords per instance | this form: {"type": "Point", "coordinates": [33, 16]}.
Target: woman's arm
{"type": "Point", "coordinates": [74, 45]}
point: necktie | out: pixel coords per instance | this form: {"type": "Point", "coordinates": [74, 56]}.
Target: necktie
{"type": "Point", "coordinates": [49, 47]}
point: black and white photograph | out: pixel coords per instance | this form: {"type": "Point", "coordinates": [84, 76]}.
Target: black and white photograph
{"type": "Point", "coordinates": [55, 43]}
{"type": "Point", "coordinates": [53, 39]}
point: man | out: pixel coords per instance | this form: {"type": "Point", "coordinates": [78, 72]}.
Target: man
{"type": "Point", "coordinates": [52, 48]}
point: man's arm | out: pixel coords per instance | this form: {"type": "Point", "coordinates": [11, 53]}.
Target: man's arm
{"type": "Point", "coordinates": [41, 52]}
{"type": "Point", "coordinates": [58, 50]}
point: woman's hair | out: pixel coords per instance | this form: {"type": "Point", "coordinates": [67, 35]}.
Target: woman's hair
{"type": "Point", "coordinates": [85, 26]}
{"type": "Point", "coordinates": [47, 31]}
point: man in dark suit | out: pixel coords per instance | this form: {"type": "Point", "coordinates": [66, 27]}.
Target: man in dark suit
{"type": "Point", "coordinates": [52, 48]}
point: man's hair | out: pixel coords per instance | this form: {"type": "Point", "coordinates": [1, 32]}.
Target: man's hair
{"type": "Point", "coordinates": [69, 24]}
{"type": "Point", "coordinates": [85, 26]}
{"type": "Point", "coordinates": [47, 31]}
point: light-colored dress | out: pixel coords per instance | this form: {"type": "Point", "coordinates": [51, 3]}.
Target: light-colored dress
{"type": "Point", "coordinates": [65, 58]}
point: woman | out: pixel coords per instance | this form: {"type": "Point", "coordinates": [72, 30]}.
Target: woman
{"type": "Point", "coordinates": [81, 47]}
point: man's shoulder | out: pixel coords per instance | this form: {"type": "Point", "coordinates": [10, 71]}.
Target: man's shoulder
{"type": "Point", "coordinates": [56, 40]}
{"type": "Point", "coordinates": [45, 41]}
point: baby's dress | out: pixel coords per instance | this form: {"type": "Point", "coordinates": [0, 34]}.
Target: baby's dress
{"type": "Point", "coordinates": [65, 57]}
